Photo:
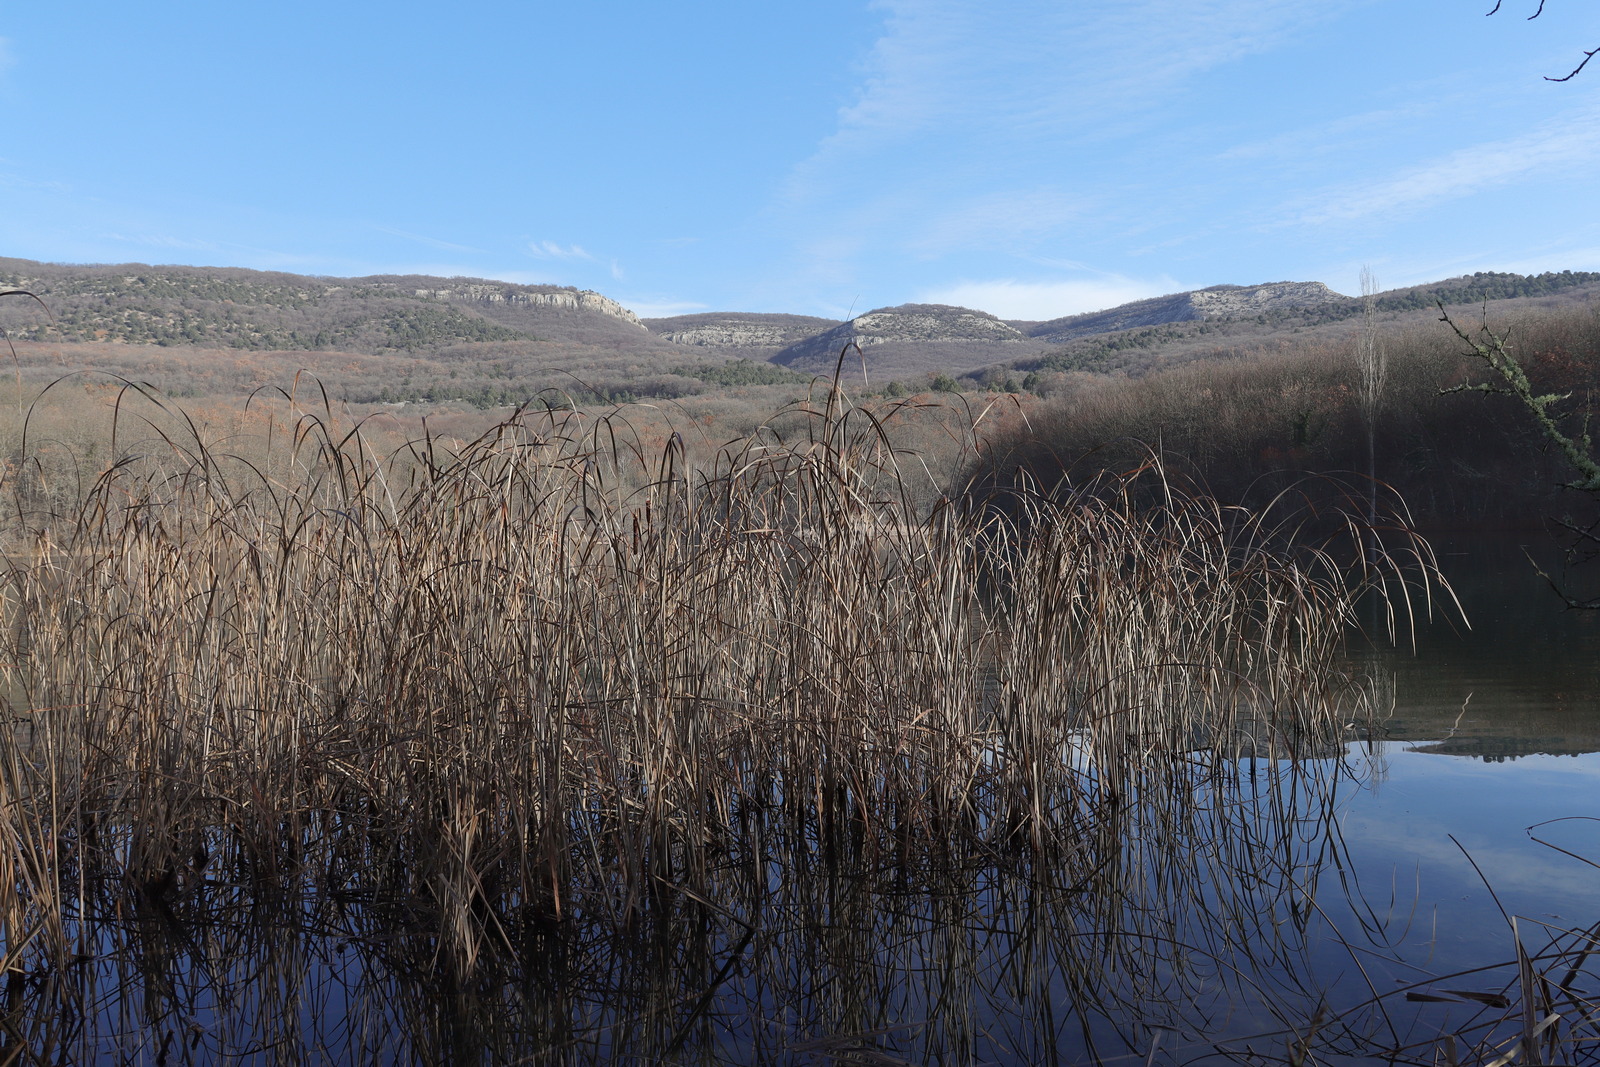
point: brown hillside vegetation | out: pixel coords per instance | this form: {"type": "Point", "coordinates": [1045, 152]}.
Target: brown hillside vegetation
{"type": "Point", "coordinates": [496, 345]}
{"type": "Point", "coordinates": [1255, 421]}
{"type": "Point", "coordinates": [1162, 344]}
{"type": "Point", "coordinates": [1247, 402]}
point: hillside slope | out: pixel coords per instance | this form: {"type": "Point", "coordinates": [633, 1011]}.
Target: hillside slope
{"type": "Point", "coordinates": [496, 342]}
{"type": "Point", "coordinates": [262, 310]}
{"type": "Point", "coordinates": [1219, 301]}
{"type": "Point", "coordinates": [752, 335]}
{"type": "Point", "coordinates": [909, 338]}
{"type": "Point", "coordinates": [1154, 343]}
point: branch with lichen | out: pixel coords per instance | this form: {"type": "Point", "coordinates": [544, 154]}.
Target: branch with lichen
{"type": "Point", "coordinates": [1494, 349]}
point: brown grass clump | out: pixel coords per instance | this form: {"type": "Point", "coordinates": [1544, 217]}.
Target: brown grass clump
{"type": "Point", "coordinates": [549, 673]}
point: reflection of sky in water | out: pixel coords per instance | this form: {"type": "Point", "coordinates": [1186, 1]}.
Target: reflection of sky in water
{"type": "Point", "coordinates": [1494, 729]}
{"type": "Point", "coordinates": [1399, 830]}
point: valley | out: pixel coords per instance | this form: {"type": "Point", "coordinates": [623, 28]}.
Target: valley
{"type": "Point", "coordinates": [1247, 387]}
{"type": "Point", "coordinates": [418, 339]}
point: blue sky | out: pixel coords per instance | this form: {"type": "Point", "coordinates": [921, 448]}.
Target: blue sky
{"type": "Point", "coordinates": [1029, 158]}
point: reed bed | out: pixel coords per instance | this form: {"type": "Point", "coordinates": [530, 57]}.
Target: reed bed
{"type": "Point", "coordinates": [546, 679]}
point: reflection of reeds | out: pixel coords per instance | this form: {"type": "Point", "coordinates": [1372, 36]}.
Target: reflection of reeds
{"type": "Point", "coordinates": [542, 684]}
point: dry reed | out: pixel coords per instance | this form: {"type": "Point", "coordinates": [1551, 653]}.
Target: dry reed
{"type": "Point", "coordinates": [544, 677]}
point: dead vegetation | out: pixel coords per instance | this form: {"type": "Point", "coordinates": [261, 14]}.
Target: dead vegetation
{"type": "Point", "coordinates": [550, 675]}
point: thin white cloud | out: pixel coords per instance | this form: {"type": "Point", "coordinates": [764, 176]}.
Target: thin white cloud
{"type": "Point", "coordinates": [1556, 147]}
{"type": "Point", "coordinates": [161, 240]}
{"type": "Point", "coordinates": [12, 180]}
{"type": "Point", "coordinates": [1563, 257]}
{"type": "Point", "coordinates": [616, 271]}
{"type": "Point", "coordinates": [431, 242]}
{"type": "Point", "coordinates": [8, 58]}
{"type": "Point", "coordinates": [515, 277]}
{"type": "Point", "coordinates": [1008, 298]}
{"type": "Point", "coordinates": [956, 94]}
{"type": "Point", "coordinates": [1396, 271]}
{"type": "Point", "coordinates": [1308, 145]}
{"type": "Point", "coordinates": [998, 220]}
{"type": "Point", "coordinates": [551, 250]}
{"type": "Point", "coordinates": [1017, 70]}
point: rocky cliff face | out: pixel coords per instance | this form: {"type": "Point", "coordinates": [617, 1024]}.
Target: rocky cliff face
{"type": "Point", "coordinates": [561, 299]}
{"type": "Point", "coordinates": [135, 303]}
{"type": "Point", "coordinates": [739, 330]}
{"type": "Point", "coordinates": [1225, 300]}
{"type": "Point", "coordinates": [1216, 302]}
{"type": "Point", "coordinates": [942, 325]}
{"type": "Point", "coordinates": [928, 322]}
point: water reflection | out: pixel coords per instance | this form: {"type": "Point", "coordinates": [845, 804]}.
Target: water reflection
{"type": "Point", "coordinates": [1255, 911]}
{"type": "Point", "coordinates": [1524, 679]}
{"type": "Point", "coordinates": [1346, 906]}
{"type": "Point", "coordinates": [1186, 912]}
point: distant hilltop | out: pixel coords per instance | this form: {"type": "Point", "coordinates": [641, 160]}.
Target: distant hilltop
{"type": "Point", "coordinates": [963, 338]}
{"type": "Point", "coordinates": [1218, 301]}
{"type": "Point", "coordinates": [737, 329]}
{"type": "Point", "coordinates": [530, 295]}
{"type": "Point", "coordinates": [230, 307]}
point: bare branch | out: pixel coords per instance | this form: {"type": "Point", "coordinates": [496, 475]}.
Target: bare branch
{"type": "Point", "coordinates": [1586, 57]}
{"type": "Point", "coordinates": [1536, 13]}
{"type": "Point", "coordinates": [1496, 353]}
{"type": "Point", "coordinates": [1531, 17]}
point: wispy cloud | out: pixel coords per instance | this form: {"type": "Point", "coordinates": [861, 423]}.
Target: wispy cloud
{"type": "Point", "coordinates": [431, 242]}
{"type": "Point", "coordinates": [12, 180]}
{"type": "Point", "coordinates": [1022, 69]}
{"type": "Point", "coordinates": [551, 250]}
{"type": "Point", "coordinates": [981, 126]}
{"type": "Point", "coordinates": [515, 277]}
{"type": "Point", "coordinates": [8, 58]}
{"type": "Point", "coordinates": [161, 240]}
{"type": "Point", "coordinates": [1578, 251]}
{"type": "Point", "coordinates": [1308, 145]}
{"type": "Point", "coordinates": [1554, 147]}
{"type": "Point", "coordinates": [1010, 217]}
{"type": "Point", "coordinates": [1009, 298]}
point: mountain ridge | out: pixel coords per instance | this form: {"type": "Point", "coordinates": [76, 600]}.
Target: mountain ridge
{"type": "Point", "coordinates": [483, 319]}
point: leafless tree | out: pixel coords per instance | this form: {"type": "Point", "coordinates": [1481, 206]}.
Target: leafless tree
{"type": "Point", "coordinates": [1570, 74]}
{"type": "Point", "coordinates": [1374, 371]}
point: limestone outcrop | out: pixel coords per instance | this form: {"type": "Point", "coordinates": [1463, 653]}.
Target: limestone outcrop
{"type": "Point", "coordinates": [906, 324]}
{"type": "Point", "coordinates": [741, 330]}
{"type": "Point", "coordinates": [558, 298]}
{"type": "Point", "coordinates": [1227, 300]}
{"type": "Point", "coordinates": [1216, 302]}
